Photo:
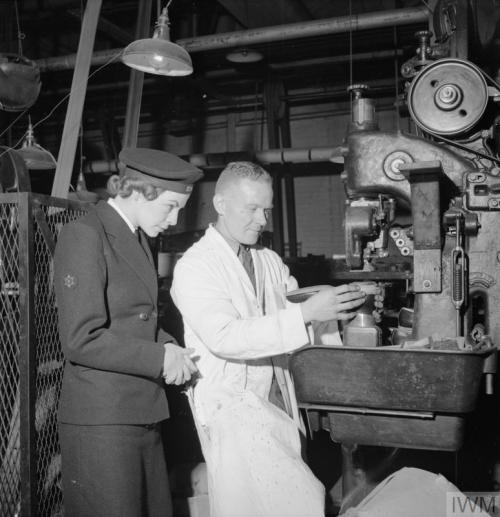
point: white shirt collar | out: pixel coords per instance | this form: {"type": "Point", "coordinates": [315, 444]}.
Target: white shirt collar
{"type": "Point", "coordinates": [112, 203]}
{"type": "Point", "coordinates": [227, 241]}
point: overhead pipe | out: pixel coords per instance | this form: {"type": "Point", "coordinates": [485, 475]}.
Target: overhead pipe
{"type": "Point", "coordinates": [374, 20]}
{"type": "Point", "coordinates": [230, 72]}
{"type": "Point", "coordinates": [312, 28]}
{"type": "Point", "coordinates": [219, 160]}
{"type": "Point", "coordinates": [267, 156]}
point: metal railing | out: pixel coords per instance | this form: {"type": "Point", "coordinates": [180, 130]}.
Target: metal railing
{"type": "Point", "coordinates": [31, 360]}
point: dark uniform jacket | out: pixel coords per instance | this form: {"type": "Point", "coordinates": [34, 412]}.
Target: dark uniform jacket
{"type": "Point", "coordinates": [107, 295]}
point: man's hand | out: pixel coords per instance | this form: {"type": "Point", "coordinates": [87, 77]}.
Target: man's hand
{"type": "Point", "coordinates": [333, 303]}
{"type": "Point", "coordinates": [177, 364]}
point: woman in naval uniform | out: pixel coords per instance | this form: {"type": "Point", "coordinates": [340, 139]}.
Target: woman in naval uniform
{"type": "Point", "coordinates": [116, 359]}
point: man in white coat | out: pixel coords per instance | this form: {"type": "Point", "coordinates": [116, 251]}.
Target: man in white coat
{"type": "Point", "coordinates": [232, 296]}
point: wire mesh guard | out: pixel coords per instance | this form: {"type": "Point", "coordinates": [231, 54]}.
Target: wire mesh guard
{"type": "Point", "coordinates": [17, 288]}
{"type": "Point", "coordinates": [9, 367]}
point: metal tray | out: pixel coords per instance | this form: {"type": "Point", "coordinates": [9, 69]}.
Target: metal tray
{"type": "Point", "coordinates": [387, 378]}
{"type": "Point", "coordinates": [440, 433]}
{"type": "Point", "coordinates": [304, 293]}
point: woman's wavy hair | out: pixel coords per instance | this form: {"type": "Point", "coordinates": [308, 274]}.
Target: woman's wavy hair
{"type": "Point", "coordinates": [125, 184]}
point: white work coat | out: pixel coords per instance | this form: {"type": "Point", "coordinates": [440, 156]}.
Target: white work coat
{"type": "Point", "coordinates": [252, 448]}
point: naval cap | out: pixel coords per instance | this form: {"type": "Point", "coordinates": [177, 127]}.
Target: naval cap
{"type": "Point", "coordinates": [161, 169]}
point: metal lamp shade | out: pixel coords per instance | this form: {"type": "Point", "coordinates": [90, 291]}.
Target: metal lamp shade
{"type": "Point", "coordinates": [36, 157]}
{"type": "Point", "coordinates": [244, 55]}
{"type": "Point", "coordinates": [158, 56]}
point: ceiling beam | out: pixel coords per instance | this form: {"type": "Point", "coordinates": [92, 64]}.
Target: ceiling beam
{"type": "Point", "coordinates": [110, 29]}
{"type": "Point", "coordinates": [69, 139]}
{"type": "Point", "coordinates": [133, 112]}
{"type": "Point", "coordinates": [249, 14]}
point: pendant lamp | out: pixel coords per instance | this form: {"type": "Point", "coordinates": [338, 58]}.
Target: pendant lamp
{"type": "Point", "coordinates": [33, 154]}
{"type": "Point", "coordinates": [158, 55]}
{"type": "Point", "coordinates": [244, 55]}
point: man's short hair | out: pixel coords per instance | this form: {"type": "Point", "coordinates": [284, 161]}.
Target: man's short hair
{"type": "Point", "coordinates": [235, 171]}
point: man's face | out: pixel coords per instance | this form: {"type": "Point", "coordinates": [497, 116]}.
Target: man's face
{"type": "Point", "coordinates": [244, 209]}
{"type": "Point", "coordinates": [158, 214]}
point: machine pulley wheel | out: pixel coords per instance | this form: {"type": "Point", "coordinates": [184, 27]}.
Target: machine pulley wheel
{"type": "Point", "coordinates": [448, 97]}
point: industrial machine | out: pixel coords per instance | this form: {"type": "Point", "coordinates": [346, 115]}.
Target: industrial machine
{"type": "Point", "coordinates": [421, 222]}
{"type": "Point", "coordinates": [444, 183]}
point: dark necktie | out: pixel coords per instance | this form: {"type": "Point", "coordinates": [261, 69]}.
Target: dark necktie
{"type": "Point", "coordinates": [245, 256]}
{"type": "Point", "coordinates": [144, 243]}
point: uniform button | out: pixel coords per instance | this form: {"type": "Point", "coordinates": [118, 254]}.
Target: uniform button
{"type": "Point", "coordinates": [144, 316]}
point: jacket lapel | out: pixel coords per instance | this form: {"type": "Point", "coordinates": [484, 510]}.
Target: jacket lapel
{"type": "Point", "coordinates": [143, 241]}
{"type": "Point", "coordinates": [229, 257]}
{"type": "Point", "coordinates": [127, 245]}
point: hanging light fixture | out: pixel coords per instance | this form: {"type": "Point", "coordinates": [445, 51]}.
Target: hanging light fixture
{"type": "Point", "coordinates": [33, 154]}
{"type": "Point", "coordinates": [158, 55]}
{"type": "Point", "coordinates": [244, 55]}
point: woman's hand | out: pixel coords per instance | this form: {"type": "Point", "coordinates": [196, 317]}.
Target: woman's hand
{"type": "Point", "coordinates": [178, 367]}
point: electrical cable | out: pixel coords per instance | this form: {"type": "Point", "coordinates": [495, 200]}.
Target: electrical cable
{"type": "Point", "coordinates": [12, 148]}
{"type": "Point", "coordinates": [20, 35]}
{"type": "Point", "coordinates": [428, 6]}
{"type": "Point", "coordinates": [396, 80]}
{"type": "Point", "coordinates": [350, 56]}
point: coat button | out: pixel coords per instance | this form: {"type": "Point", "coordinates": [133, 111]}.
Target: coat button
{"type": "Point", "coordinates": [144, 316]}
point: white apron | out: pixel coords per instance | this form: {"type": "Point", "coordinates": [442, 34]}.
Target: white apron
{"type": "Point", "coordinates": [252, 448]}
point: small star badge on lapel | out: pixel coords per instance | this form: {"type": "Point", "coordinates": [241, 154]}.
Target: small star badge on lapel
{"type": "Point", "coordinates": [70, 281]}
